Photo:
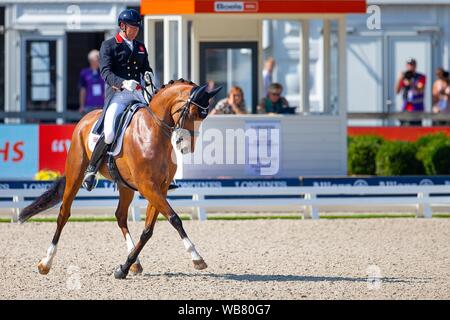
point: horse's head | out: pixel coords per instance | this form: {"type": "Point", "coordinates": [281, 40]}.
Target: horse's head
{"type": "Point", "coordinates": [188, 113]}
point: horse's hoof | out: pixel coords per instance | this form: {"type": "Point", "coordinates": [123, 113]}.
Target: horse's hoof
{"type": "Point", "coordinates": [43, 269]}
{"type": "Point", "coordinates": [119, 274]}
{"type": "Point", "coordinates": [136, 269]}
{"type": "Point", "coordinates": [200, 264]}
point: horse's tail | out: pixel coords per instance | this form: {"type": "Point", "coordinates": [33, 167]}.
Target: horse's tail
{"type": "Point", "coordinates": [48, 199]}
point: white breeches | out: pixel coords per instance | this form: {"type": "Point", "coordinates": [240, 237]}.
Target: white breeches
{"type": "Point", "coordinates": [118, 103]}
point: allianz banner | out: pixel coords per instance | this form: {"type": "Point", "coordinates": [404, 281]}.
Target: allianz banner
{"type": "Point", "coordinates": [19, 151]}
{"type": "Point", "coordinates": [376, 181]}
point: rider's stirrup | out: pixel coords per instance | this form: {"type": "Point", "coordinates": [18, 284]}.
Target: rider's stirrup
{"type": "Point", "coordinates": [89, 180]}
{"type": "Point", "coordinates": [173, 185]}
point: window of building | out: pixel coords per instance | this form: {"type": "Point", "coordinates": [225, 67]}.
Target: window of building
{"type": "Point", "coordinates": [41, 75]}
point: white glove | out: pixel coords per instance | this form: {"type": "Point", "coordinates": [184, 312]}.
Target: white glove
{"type": "Point", "coordinates": [130, 85]}
{"type": "Point", "coordinates": [149, 78]}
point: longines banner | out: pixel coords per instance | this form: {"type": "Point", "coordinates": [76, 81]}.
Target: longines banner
{"type": "Point", "coordinates": [261, 183]}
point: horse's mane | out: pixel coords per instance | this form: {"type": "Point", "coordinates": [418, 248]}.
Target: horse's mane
{"type": "Point", "coordinates": [174, 82]}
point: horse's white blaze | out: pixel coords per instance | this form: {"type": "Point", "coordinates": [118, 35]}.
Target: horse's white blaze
{"type": "Point", "coordinates": [191, 249]}
{"type": "Point", "coordinates": [51, 252]}
{"type": "Point", "coordinates": [130, 245]}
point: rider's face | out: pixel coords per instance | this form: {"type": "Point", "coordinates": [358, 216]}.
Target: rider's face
{"type": "Point", "coordinates": [130, 32]}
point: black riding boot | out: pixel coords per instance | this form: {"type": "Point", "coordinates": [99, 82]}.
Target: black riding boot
{"type": "Point", "coordinates": [94, 164]}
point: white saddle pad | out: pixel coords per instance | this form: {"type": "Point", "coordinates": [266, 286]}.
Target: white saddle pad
{"type": "Point", "coordinates": [93, 138]}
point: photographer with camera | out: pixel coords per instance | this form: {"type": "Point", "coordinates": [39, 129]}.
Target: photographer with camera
{"type": "Point", "coordinates": [413, 85]}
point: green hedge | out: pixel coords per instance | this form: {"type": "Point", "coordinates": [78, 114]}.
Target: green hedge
{"type": "Point", "coordinates": [370, 155]}
{"type": "Point", "coordinates": [425, 140]}
{"type": "Point", "coordinates": [398, 158]}
{"type": "Point", "coordinates": [435, 157]}
{"type": "Point", "coordinates": [433, 152]}
{"type": "Point", "coordinates": [362, 151]}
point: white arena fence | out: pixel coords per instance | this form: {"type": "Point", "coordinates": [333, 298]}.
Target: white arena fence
{"type": "Point", "coordinates": [304, 200]}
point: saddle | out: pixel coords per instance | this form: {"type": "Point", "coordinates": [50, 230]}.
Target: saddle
{"type": "Point", "coordinates": [120, 126]}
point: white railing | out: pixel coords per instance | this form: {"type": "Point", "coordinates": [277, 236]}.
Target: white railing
{"type": "Point", "coordinates": [307, 202]}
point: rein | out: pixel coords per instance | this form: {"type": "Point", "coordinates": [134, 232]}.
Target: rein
{"type": "Point", "coordinates": [184, 110]}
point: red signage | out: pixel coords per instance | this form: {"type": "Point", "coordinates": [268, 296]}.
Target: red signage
{"type": "Point", "coordinates": [397, 133]}
{"type": "Point", "coordinates": [162, 7]}
{"type": "Point", "coordinates": [54, 143]}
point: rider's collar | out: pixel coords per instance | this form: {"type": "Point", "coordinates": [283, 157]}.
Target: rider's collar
{"type": "Point", "coordinates": [119, 38]}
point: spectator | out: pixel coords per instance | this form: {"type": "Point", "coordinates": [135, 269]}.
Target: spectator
{"type": "Point", "coordinates": [441, 94]}
{"type": "Point", "coordinates": [413, 85]}
{"type": "Point", "coordinates": [269, 65]}
{"type": "Point", "coordinates": [91, 85]}
{"type": "Point", "coordinates": [273, 102]}
{"type": "Point", "coordinates": [233, 104]}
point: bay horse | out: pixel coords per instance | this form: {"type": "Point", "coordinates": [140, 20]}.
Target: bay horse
{"type": "Point", "coordinates": [145, 163]}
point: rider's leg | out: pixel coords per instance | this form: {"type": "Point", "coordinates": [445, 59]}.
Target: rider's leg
{"type": "Point", "coordinates": [102, 144]}
{"type": "Point", "coordinates": [94, 163]}
{"type": "Point", "coordinates": [115, 108]}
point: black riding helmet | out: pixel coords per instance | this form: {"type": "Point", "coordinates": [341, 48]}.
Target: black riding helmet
{"type": "Point", "coordinates": [131, 17]}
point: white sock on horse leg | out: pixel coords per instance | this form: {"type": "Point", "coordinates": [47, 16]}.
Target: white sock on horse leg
{"type": "Point", "coordinates": [130, 245]}
{"type": "Point", "coordinates": [51, 252]}
{"type": "Point", "coordinates": [191, 249]}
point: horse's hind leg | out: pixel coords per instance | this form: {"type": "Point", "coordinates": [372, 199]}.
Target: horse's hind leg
{"type": "Point", "coordinates": [75, 166]}
{"type": "Point", "coordinates": [122, 270]}
{"type": "Point", "coordinates": [126, 197]}
{"type": "Point", "coordinates": [159, 203]}
{"type": "Point", "coordinates": [175, 221]}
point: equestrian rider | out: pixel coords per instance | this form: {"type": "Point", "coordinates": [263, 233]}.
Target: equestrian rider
{"type": "Point", "coordinates": [123, 65]}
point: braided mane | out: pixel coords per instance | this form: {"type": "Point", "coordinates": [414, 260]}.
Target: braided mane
{"type": "Point", "coordinates": [173, 82]}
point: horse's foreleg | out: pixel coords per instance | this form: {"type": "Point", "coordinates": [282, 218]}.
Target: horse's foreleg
{"type": "Point", "coordinates": [122, 270]}
{"type": "Point", "coordinates": [73, 183]}
{"type": "Point", "coordinates": [126, 197]}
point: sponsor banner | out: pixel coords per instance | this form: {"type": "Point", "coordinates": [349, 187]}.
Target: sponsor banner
{"type": "Point", "coordinates": [27, 184]}
{"type": "Point", "coordinates": [235, 6]}
{"type": "Point", "coordinates": [376, 181]}
{"type": "Point", "coordinates": [261, 183]}
{"type": "Point", "coordinates": [54, 143]}
{"type": "Point", "coordinates": [242, 183]}
{"type": "Point", "coordinates": [18, 151]}
{"type": "Point", "coordinates": [188, 183]}
{"type": "Point", "coordinates": [164, 7]}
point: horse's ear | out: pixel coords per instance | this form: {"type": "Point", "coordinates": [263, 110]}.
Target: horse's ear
{"type": "Point", "coordinates": [213, 92]}
{"type": "Point", "coordinates": [197, 93]}
{"type": "Point", "coordinates": [201, 91]}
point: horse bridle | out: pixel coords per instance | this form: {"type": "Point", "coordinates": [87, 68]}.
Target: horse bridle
{"type": "Point", "coordinates": [184, 110]}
